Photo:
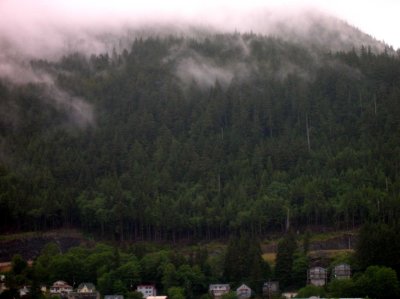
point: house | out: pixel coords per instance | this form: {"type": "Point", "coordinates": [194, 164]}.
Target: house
{"type": "Point", "coordinates": [218, 290]}
{"type": "Point", "coordinates": [86, 287]}
{"type": "Point", "coordinates": [113, 297]}
{"type": "Point", "coordinates": [243, 291]}
{"type": "Point", "coordinates": [147, 290]}
{"type": "Point", "coordinates": [317, 276]}
{"type": "Point", "coordinates": [2, 283]}
{"type": "Point", "coordinates": [289, 295]}
{"type": "Point", "coordinates": [60, 287]}
{"type": "Point", "coordinates": [157, 297]}
{"type": "Point", "coordinates": [270, 287]}
{"type": "Point", "coordinates": [24, 291]}
{"type": "Point", "coordinates": [341, 271]}
{"type": "Point", "coordinates": [85, 290]}
{"type": "Point", "coordinates": [43, 288]}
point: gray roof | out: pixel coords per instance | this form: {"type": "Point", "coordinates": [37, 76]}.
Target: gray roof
{"type": "Point", "coordinates": [218, 285]}
{"type": "Point", "coordinates": [342, 266]}
{"type": "Point", "coordinates": [317, 270]}
{"type": "Point", "coordinates": [243, 286]}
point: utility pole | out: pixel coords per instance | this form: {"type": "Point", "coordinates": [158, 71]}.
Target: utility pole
{"type": "Point", "coordinates": [287, 218]}
{"type": "Point", "coordinates": [308, 133]}
{"type": "Point", "coordinates": [269, 288]}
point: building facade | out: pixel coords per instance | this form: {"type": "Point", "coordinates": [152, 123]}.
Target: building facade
{"type": "Point", "coordinates": [341, 271]}
{"type": "Point", "coordinates": [218, 290]}
{"type": "Point", "coordinates": [60, 287]}
{"type": "Point", "coordinates": [147, 290]}
{"type": "Point", "coordinates": [317, 276]}
{"type": "Point", "coordinates": [85, 290]}
{"type": "Point", "coordinates": [243, 292]}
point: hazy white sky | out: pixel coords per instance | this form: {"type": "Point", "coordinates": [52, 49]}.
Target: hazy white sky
{"type": "Point", "coordinates": [378, 18]}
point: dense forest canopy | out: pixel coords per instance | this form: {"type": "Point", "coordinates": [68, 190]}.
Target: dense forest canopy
{"type": "Point", "coordinates": [180, 137]}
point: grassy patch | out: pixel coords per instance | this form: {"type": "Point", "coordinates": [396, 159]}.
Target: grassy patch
{"type": "Point", "coordinates": [331, 253]}
{"type": "Point", "coordinates": [270, 258]}
{"type": "Point", "coordinates": [330, 235]}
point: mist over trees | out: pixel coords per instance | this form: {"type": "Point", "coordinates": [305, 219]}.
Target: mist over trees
{"type": "Point", "coordinates": [203, 138]}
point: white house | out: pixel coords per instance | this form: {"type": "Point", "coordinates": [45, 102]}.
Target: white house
{"type": "Point", "coordinates": [243, 291]}
{"type": "Point", "coordinates": [85, 290]}
{"type": "Point", "coordinates": [317, 276]}
{"type": "Point", "coordinates": [341, 271]}
{"type": "Point", "coordinates": [147, 290]}
{"type": "Point", "coordinates": [289, 295]}
{"type": "Point", "coordinates": [2, 283]}
{"type": "Point", "coordinates": [24, 291]}
{"type": "Point", "coordinates": [218, 290]}
{"type": "Point", "coordinates": [86, 287]}
{"type": "Point", "coordinates": [60, 287]}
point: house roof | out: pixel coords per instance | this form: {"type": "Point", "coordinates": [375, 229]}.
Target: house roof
{"type": "Point", "coordinates": [60, 283]}
{"type": "Point", "coordinates": [243, 286]}
{"type": "Point", "coordinates": [318, 269]}
{"type": "Point", "coordinates": [218, 285]}
{"type": "Point", "coordinates": [342, 266]}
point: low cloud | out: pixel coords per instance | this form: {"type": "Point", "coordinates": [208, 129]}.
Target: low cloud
{"type": "Point", "coordinates": [204, 74]}
{"type": "Point", "coordinates": [80, 112]}
{"type": "Point", "coordinates": [50, 29]}
{"type": "Point", "coordinates": [20, 72]}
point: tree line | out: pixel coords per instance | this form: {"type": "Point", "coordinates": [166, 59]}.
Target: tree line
{"type": "Point", "coordinates": [186, 271]}
{"type": "Point", "coordinates": [183, 272]}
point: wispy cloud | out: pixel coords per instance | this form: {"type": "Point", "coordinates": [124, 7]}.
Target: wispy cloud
{"type": "Point", "coordinates": [48, 29]}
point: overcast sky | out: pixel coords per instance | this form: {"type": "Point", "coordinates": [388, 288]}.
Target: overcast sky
{"type": "Point", "coordinates": [378, 18]}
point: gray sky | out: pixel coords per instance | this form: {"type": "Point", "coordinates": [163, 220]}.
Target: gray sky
{"type": "Point", "coordinates": [34, 20]}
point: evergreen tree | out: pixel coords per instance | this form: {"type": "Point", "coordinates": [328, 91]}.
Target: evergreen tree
{"type": "Point", "coordinates": [284, 260]}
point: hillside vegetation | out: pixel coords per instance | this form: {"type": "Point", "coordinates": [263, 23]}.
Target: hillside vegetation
{"type": "Point", "coordinates": [201, 138]}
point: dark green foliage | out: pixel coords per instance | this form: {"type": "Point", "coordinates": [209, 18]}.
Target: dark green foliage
{"type": "Point", "coordinates": [176, 293]}
{"type": "Point", "coordinates": [299, 269]}
{"type": "Point", "coordinates": [167, 269]}
{"type": "Point", "coordinates": [378, 282]}
{"type": "Point", "coordinates": [230, 295]}
{"type": "Point", "coordinates": [134, 295]}
{"type": "Point", "coordinates": [311, 290]}
{"type": "Point", "coordinates": [342, 288]}
{"type": "Point", "coordinates": [35, 291]}
{"type": "Point", "coordinates": [379, 244]}
{"type": "Point", "coordinates": [18, 264]}
{"type": "Point", "coordinates": [244, 263]}
{"type": "Point", "coordinates": [152, 266]}
{"type": "Point", "coordinates": [169, 157]}
{"type": "Point", "coordinates": [284, 261]}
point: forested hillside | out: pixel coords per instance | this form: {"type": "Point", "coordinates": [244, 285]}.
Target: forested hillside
{"type": "Point", "coordinates": [180, 137]}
